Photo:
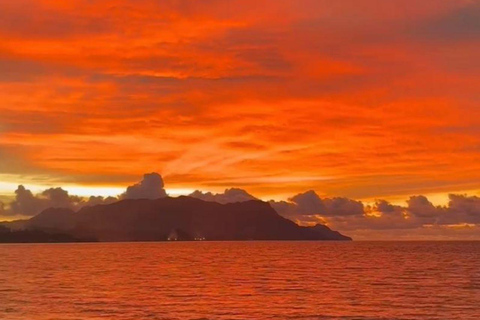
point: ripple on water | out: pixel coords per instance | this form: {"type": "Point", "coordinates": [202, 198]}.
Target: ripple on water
{"type": "Point", "coordinates": [241, 280]}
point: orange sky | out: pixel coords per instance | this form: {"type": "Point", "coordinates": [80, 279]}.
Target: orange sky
{"type": "Point", "coordinates": [362, 99]}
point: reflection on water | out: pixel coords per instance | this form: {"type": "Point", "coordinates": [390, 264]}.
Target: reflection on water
{"type": "Point", "coordinates": [241, 280]}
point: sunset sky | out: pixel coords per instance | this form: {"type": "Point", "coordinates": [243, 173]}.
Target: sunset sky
{"type": "Point", "coordinates": [360, 99]}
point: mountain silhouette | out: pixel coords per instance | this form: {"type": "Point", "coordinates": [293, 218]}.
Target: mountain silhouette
{"type": "Point", "coordinates": [181, 218]}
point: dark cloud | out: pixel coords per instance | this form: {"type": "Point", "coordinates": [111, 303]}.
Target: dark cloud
{"type": "Point", "coordinates": [420, 206]}
{"type": "Point", "coordinates": [151, 187]}
{"type": "Point", "coordinates": [343, 207]}
{"type": "Point", "coordinates": [460, 24]}
{"type": "Point", "coordinates": [60, 198]}
{"type": "Point", "coordinates": [350, 215]}
{"type": "Point", "coordinates": [461, 209]}
{"type": "Point", "coordinates": [18, 17]}
{"type": "Point", "coordinates": [380, 216]}
{"type": "Point", "coordinates": [418, 215]}
{"type": "Point", "coordinates": [310, 204]}
{"type": "Point", "coordinates": [464, 203]}
{"type": "Point", "coordinates": [228, 196]}
{"type": "Point", "coordinates": [96, 200]}
{"type": "Point", "coordinates": [385, 207]}
{"type": "Point", "coordinates": [28, 204]}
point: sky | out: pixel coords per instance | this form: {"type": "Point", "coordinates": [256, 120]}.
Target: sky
{"type": "Point", "coordinates": [359, 100]}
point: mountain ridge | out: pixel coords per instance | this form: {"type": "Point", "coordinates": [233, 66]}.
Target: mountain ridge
{"type": "Point", "coordinates": [179, 218]}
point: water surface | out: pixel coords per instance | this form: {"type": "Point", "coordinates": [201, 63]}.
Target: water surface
{"type": "Point", "coordinates": [241, 280]}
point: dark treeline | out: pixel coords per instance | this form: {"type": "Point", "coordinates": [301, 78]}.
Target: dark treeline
{"type": "Point", "coordinates": [35, 236]}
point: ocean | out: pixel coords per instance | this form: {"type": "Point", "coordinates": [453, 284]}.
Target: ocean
{"type": "Point", "coordinates": [241, 280]}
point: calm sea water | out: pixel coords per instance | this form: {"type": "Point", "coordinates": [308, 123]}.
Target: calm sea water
{"type": "Point", "coordinates": [241, 280]}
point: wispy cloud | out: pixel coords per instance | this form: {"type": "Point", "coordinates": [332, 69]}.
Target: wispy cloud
{"type": "Point", "coordinates": [362, 99]}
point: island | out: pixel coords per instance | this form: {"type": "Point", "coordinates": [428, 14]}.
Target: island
{"type": "Point", "coordinates": [166, 219]}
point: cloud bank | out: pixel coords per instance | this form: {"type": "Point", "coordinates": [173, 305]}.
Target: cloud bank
{"type": "Point", "coordinates": [418, 216]}
{"type": "Point", "coordinates": [212, 92]}
{"type": "Point", "coordinates": [151, 187]}
{"type": "Point", "coordinates": [28, 204]}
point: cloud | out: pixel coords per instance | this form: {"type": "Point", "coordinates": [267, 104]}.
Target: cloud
{"type": "Point", "coordinates": [343, 207]}
{"type": "Point", "coordinates": [458, 25]}
{"type": "Point", "coordinates": [383, 218]}
{"type": "Point", "coordinates": [462, 212]}
{"type": "Point", "coordinates": [346, 214]}
{"type": "Point", "coordinates": [420, 206]}
{"type": "Point", "coordinates": [151, 187]}
{"type": "Point", "coordinates": [97, 200]}
{"type": "Point", "coordinates": [60, 198]}
{"type": "Point", "coordinates": [386, 207]}
{"type": "Point", "coordinates": [228, 196]}
{"type": "Point", "coordinates": [325, 76]}
{"type": "Point", "coordinates": [310, 204]}
{"type": "Point", "coordinates": [461, 209]}
{"type": "Point", "coordinates": [342, 213]}
{"type": "Point", "coordinates": [418, 216]}
{"type": "Point", "coordinates": [382, 215]}
{"type": "Point", "coordinates": [28, 204]}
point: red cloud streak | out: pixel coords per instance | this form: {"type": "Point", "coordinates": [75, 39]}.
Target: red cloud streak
{"type": "Point", "coordinates": [361, 99]}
